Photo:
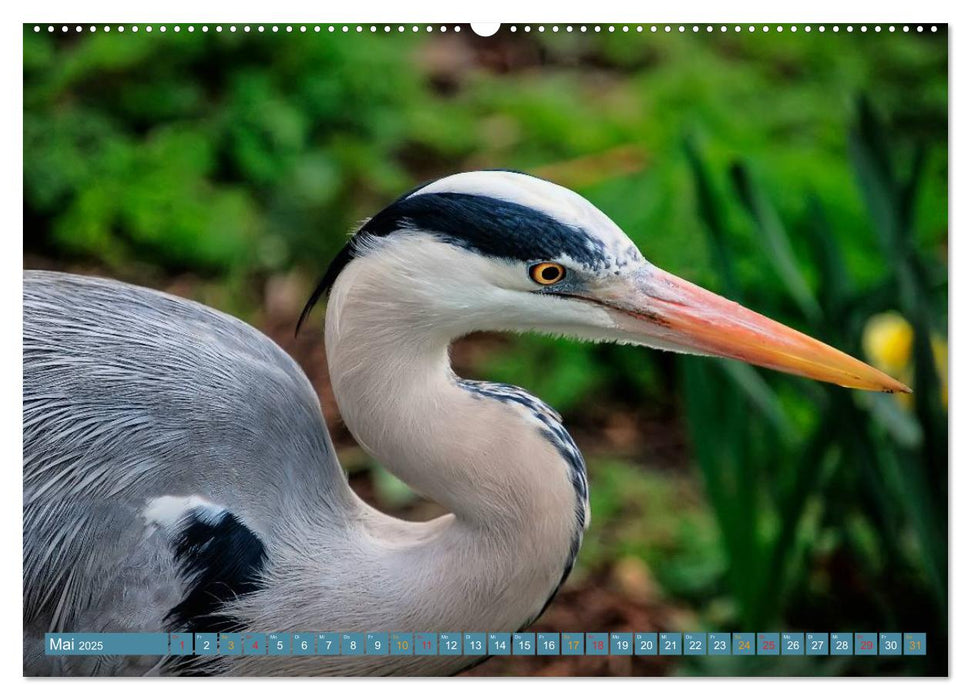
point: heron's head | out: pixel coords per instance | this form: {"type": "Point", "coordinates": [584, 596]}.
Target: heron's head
{"type": "Point", "coordinates": [505, 251]}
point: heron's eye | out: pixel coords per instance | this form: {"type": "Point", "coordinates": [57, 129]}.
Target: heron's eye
{"type": "Point", "coordinates": [547, 273]}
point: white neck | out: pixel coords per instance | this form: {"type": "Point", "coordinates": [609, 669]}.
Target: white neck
{"type": "Point", "coordinates": [514, 507]}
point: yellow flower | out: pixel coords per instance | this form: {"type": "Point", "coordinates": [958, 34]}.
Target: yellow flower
{"type": "Point", "coordinates": [887, 342]}
{"type": "Point", "coordinates": [939, 346]}
{"type": "Point", "coordinates": [888, 345]}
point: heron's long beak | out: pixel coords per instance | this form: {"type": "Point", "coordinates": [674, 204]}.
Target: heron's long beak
{"type": "Point", "coordinates": [657, 308]}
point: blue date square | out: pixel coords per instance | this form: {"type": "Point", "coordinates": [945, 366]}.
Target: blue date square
{"type": "Point", "coordinates": [254, 644]}
{"type": "Point", "coordinates": [278, 644]}
{"type": "Point", "coordinates": [841, 643]}
{"type": "Point", "coordinates": [377, 643]}
{"type": "Point", "coordinates": [328, 644]}
{"type": "Point", "coordinates": [180, 643]}
{"type": "Point", "coordinates": [866, 644]}
{"type": "Point", "coordinates": [401, 643]}
{"type": "Point", "coordinates": [474, 643]}
{"type": "Point", "coordinates": [548, 643]}
{"type": "Point", "coordinates": [597, 644]}
{"type": "Point", "coordinates": [352, 644]}
{"type": "Point", "coordinates": [817, 644]}
{"type": "Point", "coordinates": [499, 644]}
{"type": "Point", "coordinates": [695, 644]}
{"type": "Point", "coordinates": [450, 643]}
{"type": "Point", "coordinates": [571, 643]}
{"type": "Point", "coordinates": [230, 643]}
{"type": "Point", "coordinates": [524, 644]}
{"type": "Point", "coordinates": [206, 643]}
{"type": "Point", "coordinates": [890, 644]}
{"type": "Point", "coordinates": [669, 643]}
{"type": "Point", "coordinates": [793, 644]}
{"type": "Point", "coordinates": [426, 644]}
{"type": "Point", "coordinates": [645, 643]}
{"type": "Point", "coordinates": [915, 644]}
{"type": "Point", "coordinates": [767, 644]}
{"type": "Point", "coordinates": [302, 643]}
{"type": "Point", "coordinates": [743, 644]}
{"type": "Point", "coordinates": [621, 643]}
{"type": "Point", "coordinates": [719, 644]}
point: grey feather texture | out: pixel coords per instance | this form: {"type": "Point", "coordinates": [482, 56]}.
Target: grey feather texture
{"type": "Point", "coordinates": [132, 396]}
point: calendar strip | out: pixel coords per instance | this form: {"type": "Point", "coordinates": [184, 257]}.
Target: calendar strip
{"type": "Point", "coordinates": [488, 643]}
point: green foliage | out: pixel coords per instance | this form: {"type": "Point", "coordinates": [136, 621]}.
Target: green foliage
{"type": "Point", "coordinates": [654, 517]}
{"type": "Point", "coordinates": [864, 480]}
{"type": "Point", "coordinates": [224, 154]}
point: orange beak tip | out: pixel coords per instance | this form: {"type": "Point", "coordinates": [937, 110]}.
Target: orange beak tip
{"type": "Point", "coordinates": [700, 321]}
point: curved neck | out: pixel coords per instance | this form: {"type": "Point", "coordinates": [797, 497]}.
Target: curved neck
{"type": "Point", "coordinates": [517, 504]}
{"type": "Point", "coordinates": [485, 460]}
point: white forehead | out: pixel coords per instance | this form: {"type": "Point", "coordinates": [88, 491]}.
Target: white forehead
{"type": "Point", "coordinates": [549, 198]}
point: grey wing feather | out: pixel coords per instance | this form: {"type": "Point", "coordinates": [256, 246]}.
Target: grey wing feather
{"type": "Point", "coordinates": [131, 394]}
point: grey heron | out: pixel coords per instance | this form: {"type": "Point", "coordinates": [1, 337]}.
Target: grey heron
{"type": "Point", "coordinates": [178, 474]}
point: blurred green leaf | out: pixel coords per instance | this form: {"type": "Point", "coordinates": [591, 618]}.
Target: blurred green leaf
{"type": "Point", "coordinates": [778, 483]}
{"type": "Point", "coordinates": [899, 423]}
{"type": "Point", "coordinates": [775, 241]}
{"type": "Point", "coordinates": [390, 490]}
{"type": "Point", "coordinates": [760, 394]}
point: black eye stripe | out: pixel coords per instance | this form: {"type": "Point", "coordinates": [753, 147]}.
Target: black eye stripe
{"type": "Point", "coordinates": [489, 226]}
{"type": "Point", "coordinates": [486, 225]}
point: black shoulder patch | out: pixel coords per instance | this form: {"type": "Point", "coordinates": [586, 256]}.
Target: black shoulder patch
{"type": "Point", "coordinates": [487, 225]}
{"type": "Point", "coordinates": [220, 559]}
